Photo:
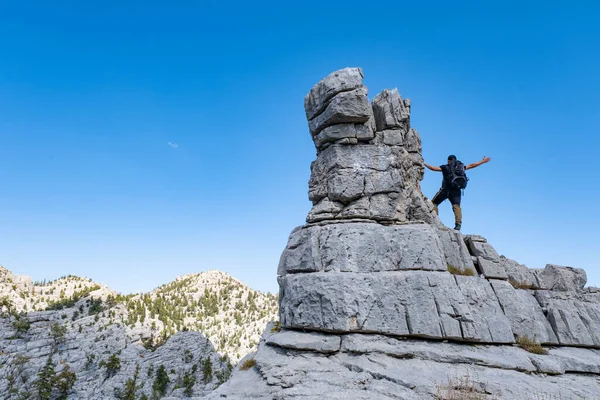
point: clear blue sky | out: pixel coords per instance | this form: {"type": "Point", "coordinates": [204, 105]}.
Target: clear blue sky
{"type": "Point", "coordinates": [91, 94]}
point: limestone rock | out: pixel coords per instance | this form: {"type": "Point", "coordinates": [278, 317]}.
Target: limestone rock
{"type": "Point", "coordinates": [524, 313]}
{"type": "Point", "coordinates": [379, 367]}
{"type": "Point", "coordinates": [338, 132]}
{"type": "Point", "coordinates": [556, 277]}
{"type": "Point", "coordinates": [346, 107]}
{"type": "Point", "coordinates": [491, 269]}
{"type": "Point", "coordinates": [362, 247]}
{"type": "Point", "coordinates": [519, 274]}
{"type": "Point", "coordinates": [404, 303]}
{"type": "Point", "coordinates": [391, 111]}
{"type": "Point", "coordinates": [574, 317]}
{"type": "Point", "coordinates": [344, 80]}
{"type": "Point", "coordinates": [306, 341]}
{"type": "Point", "coordinates": [455, 250]}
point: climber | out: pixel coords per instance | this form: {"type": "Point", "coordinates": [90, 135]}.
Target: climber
{"type": "Point", "coordinates": [453, 181]}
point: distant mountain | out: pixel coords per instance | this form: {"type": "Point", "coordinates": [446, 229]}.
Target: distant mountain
{"type": "Point", "coordinates": [230, 314]}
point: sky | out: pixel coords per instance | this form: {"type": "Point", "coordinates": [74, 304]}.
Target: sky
{"type": "Point", "coordinates": [140, 141]}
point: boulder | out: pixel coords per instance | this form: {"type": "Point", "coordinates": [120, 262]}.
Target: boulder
{"type": "Point", "coordinates": [344, 80]}
{"type": "Point", "coordinates": [346, 107]}
{"type": "Point", "coordinates": [362, 247]}
{"type": "Point", "coordinates": [556, 277]}
{"type": "Point", "coordinates": [391, 111]}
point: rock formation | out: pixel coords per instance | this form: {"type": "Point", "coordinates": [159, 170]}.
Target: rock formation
{"type": "Point", "coordinates": [379, 301]}
{"type": "Point", "coordinates": [82, 326]}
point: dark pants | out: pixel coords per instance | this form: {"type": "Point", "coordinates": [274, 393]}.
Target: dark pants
{"type": "Point", "coordinates": [454, 196]}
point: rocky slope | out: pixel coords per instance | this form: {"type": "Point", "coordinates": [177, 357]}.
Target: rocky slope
{"type": "Point", "coordinates": [195, 327]}
{"type": "Point", "coordinates": [230, 314]}
{"type": "Point", "coordinates": [378, 300]}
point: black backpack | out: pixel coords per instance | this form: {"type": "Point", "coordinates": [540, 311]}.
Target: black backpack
{"type": "Point", "coordinates": [458, 178]}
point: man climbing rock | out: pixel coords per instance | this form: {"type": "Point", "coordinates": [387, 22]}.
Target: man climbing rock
{"type": "Point", "coordinates": [453, 181]}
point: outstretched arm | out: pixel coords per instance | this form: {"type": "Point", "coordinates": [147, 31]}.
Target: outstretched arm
{"type": "Point", "coordinates": [478, 163]}
{"type": "Point", "coordinates": [433, 168]}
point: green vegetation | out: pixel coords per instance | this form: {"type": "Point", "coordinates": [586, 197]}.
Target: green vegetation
{"type": "Point", "coordinates": [161, 382]}
{"type": "Point", "coordinates": [207, 370]}
{"type": "Point", "coordinates": [64, 382]}
{"type": "Point", "coordinates": [249, 363]}
{"type": "Point", "coordinates": [531, 345]}
{"type": "Point", "coordinates": [58, 333]}
{"type": "Point", "coordinates": [276, 327]}
{"type": "Point", "coordinates": [128, 392]}
{"type": "Point", "coordinates": [45, 381]}
{"type": "Point", "coordinates": [113, 365]}
{"type": "Point", "coordinates": [21, 324]}
{"type": "Point", "coordinates": [189, 380]}
{"type": "Point", "coordinates": [65, 302]}
{"type": "Point", "coordinates": [459, 271]}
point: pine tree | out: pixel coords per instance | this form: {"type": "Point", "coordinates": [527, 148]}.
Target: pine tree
{"type": "Point", "coordinates": [45, 380]}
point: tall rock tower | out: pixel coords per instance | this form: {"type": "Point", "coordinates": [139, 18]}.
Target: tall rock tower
{"type": "Point", "coordinates": [378, 300]}
{"type": "Point", "coordinates": [369, 161]}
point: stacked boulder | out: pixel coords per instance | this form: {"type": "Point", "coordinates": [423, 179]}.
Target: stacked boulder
{"type": "Point", "coordinates": [369, 161]}
{"type": "Point", "coordinates": [379, 301]}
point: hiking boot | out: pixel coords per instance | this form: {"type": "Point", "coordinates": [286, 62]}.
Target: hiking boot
{"type": "Point", "coordinates": [457, 227]}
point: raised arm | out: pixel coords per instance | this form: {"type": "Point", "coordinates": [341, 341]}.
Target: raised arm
{"type": "Point", "coordinates": [433, 167]}
{"type": "Point", "coordinates": [478, 163]}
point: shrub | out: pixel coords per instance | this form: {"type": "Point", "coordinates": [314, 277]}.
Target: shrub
{"type": "Point", "coordinates": [530, 345]}
{"type": "Point", "coordinates": [21, 323]}
{"type": "Point", "coordinates": [64, 382]}
{"type": "Point", "coordinates": [459, 271]}
{"type": "Point", "coordinates": [276, 327]}
{"type": "Point", "coordinates": [249, 363]}
{"type": "Point", "coordinates": [207, 370]}
{"type": "Point", "coordinates": [113, 365]}
{"type": "Point", "coordinates": [58, 333]}
{"type": "Point", "coordinates": [161, 381]}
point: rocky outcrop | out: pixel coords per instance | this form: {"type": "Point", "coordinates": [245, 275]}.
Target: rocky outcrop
{"type": "Point", "coordinates": [379, 301]}
{"type": "Point", "coordinates": [102, 357]}
{"type": "Point", "coordinates": [369, 161]}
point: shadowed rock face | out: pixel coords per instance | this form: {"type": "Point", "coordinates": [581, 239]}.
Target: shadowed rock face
{"type": "Point", "coordinates": [368, 306]}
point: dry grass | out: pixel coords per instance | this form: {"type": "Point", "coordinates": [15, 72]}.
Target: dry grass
{"type": "Point", "coordinates": [530, 345]}
{"type": "Point", "coordinates": [520, 284]}
{"type": "Point", "coordinates": [460, 388]}
{"type": "Point", "coordinates": [459, 271]}
{"type": "Point", "coordinates": [249, 363]}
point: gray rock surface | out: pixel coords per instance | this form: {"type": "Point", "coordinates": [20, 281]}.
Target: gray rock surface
{"type": "Point", "coordinates": [491, 269]}
{"type": "Point", "coordinates": [524, 313]}
{"type": "Point", "coordinates": [344, 80]}
{"type": "Point", "coordinates": [519, 274]}
{"type": "Point", "coordinates": [367, 166]}
{"type": "Point", "coordinates": [87, 344]}
{"type": "Point", "coordinates": [556, 277]}
{"type": "Point", "coordinates": [408, 303]}
{"type": "Point", "coordinates": [380, 367]}
{"type": "Point", "coordinates": [391, 111]}
{"type": "Point", "coordinates": [574, 317]}
{"type": "Point", "coordinates": [346, 107]}
{"type": "Point", "coordinates": [455, 250]}
{"type": "Point", "coordinates": [310, 341]}
{"type": "Point", "coordinates": [362, 247]}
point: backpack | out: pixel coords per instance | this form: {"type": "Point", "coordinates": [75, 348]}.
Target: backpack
{"type": "Point", "coordinates": [458, 178]}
